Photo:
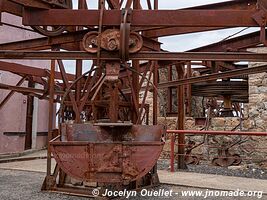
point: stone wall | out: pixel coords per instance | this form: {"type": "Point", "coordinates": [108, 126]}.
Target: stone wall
{"type": "Point", "coordinates": [253, 149]}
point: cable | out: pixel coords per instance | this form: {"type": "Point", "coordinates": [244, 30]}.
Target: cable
{"type": "Point", "coordinates": [155, 88]}
{"type": "Point", "coordinates": [234, 34]}
{"type": "Point", "coordinates": [69, 89]}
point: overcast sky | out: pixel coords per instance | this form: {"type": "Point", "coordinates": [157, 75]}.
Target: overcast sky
{"type": "Point", "coordinates": [188, 41]}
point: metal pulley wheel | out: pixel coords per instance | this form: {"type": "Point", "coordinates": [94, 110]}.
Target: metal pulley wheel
{"type": "Point", "coordinates": [90, 42]}
{"type": "Point", "coordinates": [54, 30]}
{"type": "Point", "coordinates": [225, 159]}
{"type": "Point", "coordinates": [113, 40]}
{"type": "Point", "coordinates": [135, 42]}
{"type": "Point", "coordinates": [191, 160]}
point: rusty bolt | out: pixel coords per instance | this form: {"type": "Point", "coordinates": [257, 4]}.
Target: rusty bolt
{"type": "Point", "coordinates": [93, 41]}
{"type": "Point", "coordinates": [112, 45]}
{"type": "Point", "coordinates": [131, 42]}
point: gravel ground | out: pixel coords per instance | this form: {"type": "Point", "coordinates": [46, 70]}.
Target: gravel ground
{"type": "Point", "coordinates": [22, 185]}
{"type": "Point", "coordinates": [249, 171]}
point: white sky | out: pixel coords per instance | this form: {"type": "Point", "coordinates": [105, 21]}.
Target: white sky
{"type": "Point", "coordinates": [182, 42]}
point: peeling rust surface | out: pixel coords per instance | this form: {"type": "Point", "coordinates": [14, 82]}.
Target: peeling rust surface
{"type": "Point", "coordinates": [89, 153]}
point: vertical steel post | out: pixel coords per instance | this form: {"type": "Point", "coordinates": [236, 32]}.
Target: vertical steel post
{"type": "Point", "coordinates": [169, 90]}
{"type": "Point", "coordinates": [189, 89]}
{"type": "Point", "coordinates": [156, 4]}
{"type": "Point", "coordinates": [135, 83]}
{"type": "Point", "coordinates": [29, 118]}
{"type": "Point", "coordinates": [79, 63]}
{"type": "Point", "coordinates": [78, 73]}
{"type": "Point", "coordinates": [172, 151]}
{"type": "Point", "coordinates": [181, 118]}
{"type": "Point", "coordinates": [51, 114]}
{"type": "Point", "coordinates": [155, 94]}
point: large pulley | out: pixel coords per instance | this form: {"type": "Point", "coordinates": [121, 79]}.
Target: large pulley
{"type": "Point", "coordinates": [122, 40]}
{"type": "Point", "coordinates": [54, 30]}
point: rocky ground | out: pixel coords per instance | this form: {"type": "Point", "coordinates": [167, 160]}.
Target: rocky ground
{"type": "Point", "coordinates": [245, 170]}
{"type": "Point", "coordinates": [25, 185]}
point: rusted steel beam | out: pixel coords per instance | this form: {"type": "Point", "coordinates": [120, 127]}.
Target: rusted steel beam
{"type": "Point", "coordinates": [134, 84]}
{"type": "Point", "coordinates": [234, 4]}
{"type": "Point", "coordinates": [68, 41]}
{"type": "Point", "coordinates": [148, 55]}
{"type": "Point", "coordinates": [181, 117]}
{"type": "Point", "coordinates": [215, 76]}
{"type": "Point", "coordinates": [238, 4]}
{"type": "Point", "coordinates": [169, 18]}
{"type": "Point", "coordinates": [172, 152]}
{"type": "Point", "coordinates": [32, 3]}
{"type": "Point", "coordinates": [32, 71]}
{"type": "Point", "coordinates": [78, 73]}
{"type": "Point", "coordinates": [12, 8]}
{"type": "Point", "coordinates": [114, 4]}
{"type": "Point", "coordinates": [50, 117]}
{"type": "Point", "coordinates": [197, 132]}
{"type": "Point", "coordinates": [151, 69]}
{"type": "Point", "coordinates": [24, 90]}
{"type": "Point", "coordinates": [161, 32]}
{"type": "Point", "coordinates": [71, 95]}
{"type": "Point", "coordinates": [234, 44]}
{"type": "Point", "coordinates": [5, 100]}
{"type": "Point", "coordinates": [155, 93]}
{"type": "Point", "coordinates": [189, 89]}
{"type": "Point", "coordinates": [44, 42]}
{"type": "Point", "coordinates": [29, 118]}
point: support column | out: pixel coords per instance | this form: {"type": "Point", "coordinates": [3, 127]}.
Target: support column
{"type": "Point", "coordinates": [169, 91]}
{"type": "Point", "coordinates": [189, 89]}
{"type": "Point", "coordinates": [79, 68]}
{"type": "Point", "coordinates": [29, 118]}
{"type": "Point", "coordinates": [51, 114]}
{"type": "Point", "coordinates": [135, 82]}
{"type": "Point", "coordinates": [181, 119]}
{"type": "Point", "coordinates": [155, 94]}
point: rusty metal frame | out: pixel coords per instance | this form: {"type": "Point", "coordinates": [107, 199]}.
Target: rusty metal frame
{"type": "Point", "coordinates": [173, 133]}
{"type": "Point", "coordinates": [240, 13]}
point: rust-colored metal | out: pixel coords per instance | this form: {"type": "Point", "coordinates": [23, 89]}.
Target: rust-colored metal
{"type": "Point", "coordinates": [224, 158]}
{"type": "Point", "coordinates": [197, 132]}
{"type": "Point", "coordinates": [99, 139]}
{"type": "Point", "coordinates": [9, 95]}
{"type": "Point", "coordinates": [51, 116]}
{"type": "Point", "coordinates": [126, 155]}
{"type": "Point", "coordinates": [181, 118]}
{"type": "Point", "coordinates": [29, 118]}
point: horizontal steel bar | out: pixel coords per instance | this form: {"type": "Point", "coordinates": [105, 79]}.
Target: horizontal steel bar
{"type": "Point", "coordinates": [215, 76]}
{"type": "Point", "coordinates": [197, 132]}
{"type": "Point", "coordinates": [167, 18]}
{"type": "Point", "coordinates": [85, 143]}
{"type": "Point", "coordinates": [144, 55]}
{"type": "Point", "coordinates": [29, 70]}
